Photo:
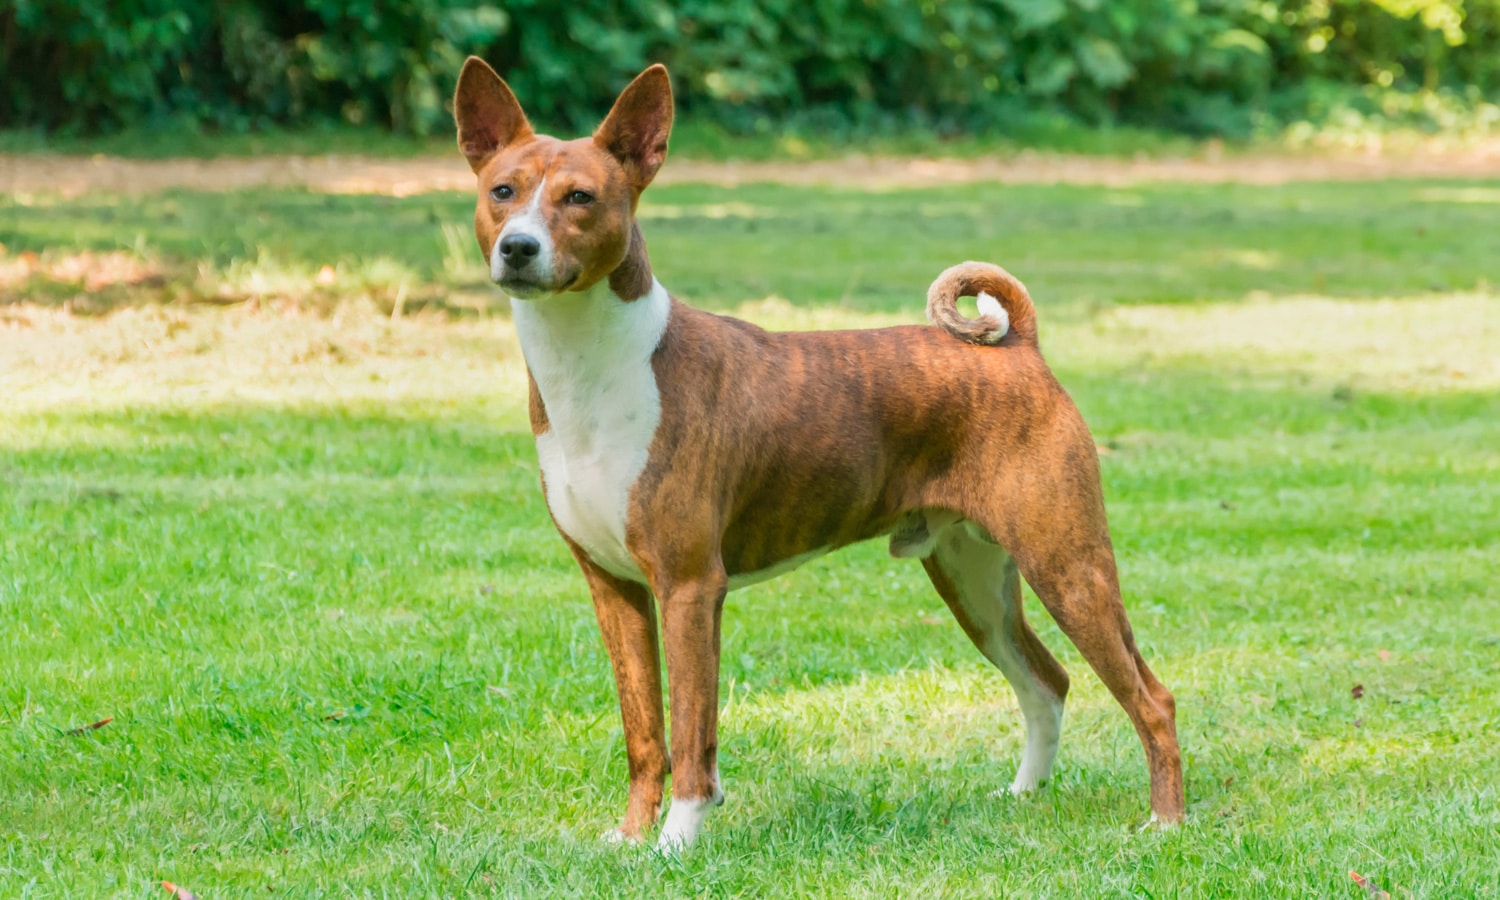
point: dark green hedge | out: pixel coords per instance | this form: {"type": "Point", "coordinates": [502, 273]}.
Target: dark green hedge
{"type": "Point", "coordinates": [855, 66]}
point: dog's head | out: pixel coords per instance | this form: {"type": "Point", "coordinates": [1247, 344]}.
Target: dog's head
{"type": "Point", "coordinates": [557, 215]}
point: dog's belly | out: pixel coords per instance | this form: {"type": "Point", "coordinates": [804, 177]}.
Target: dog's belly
{"type": "Point", "coordinates": [745, 579]}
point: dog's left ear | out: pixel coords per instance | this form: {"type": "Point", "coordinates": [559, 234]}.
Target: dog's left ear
{"type": "Point", "coordinates": [635, 131]}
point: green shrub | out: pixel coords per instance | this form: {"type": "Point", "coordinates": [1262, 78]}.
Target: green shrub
{"type": "Point", "coordinates": [849, 67]}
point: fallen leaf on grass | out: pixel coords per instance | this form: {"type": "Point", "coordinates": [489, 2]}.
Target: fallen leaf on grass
{"type": "Point", "coordinates": [1373, 889]}
{"type": "Point", "coordinates": [83, 729]}
{"type": "Point", "coordinates": [179, 893]}
{"type": "Point", "coordinates": [1357, 691]}
{"type": "Point", "coordinates": [334, 716]}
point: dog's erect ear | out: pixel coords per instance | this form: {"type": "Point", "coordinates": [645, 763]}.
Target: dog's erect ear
{"type": "Point", "coordinates": [635, 131]}
{"type": "Point", "coordinates": [488, 115]}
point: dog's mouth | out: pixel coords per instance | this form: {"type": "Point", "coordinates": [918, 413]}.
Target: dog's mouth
{"type": "Point", "coordinates": [517, 284]}
{"type": "Point", "coordinates": [523, 287]}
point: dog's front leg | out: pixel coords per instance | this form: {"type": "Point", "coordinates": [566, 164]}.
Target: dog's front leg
{"type": "Point", "coordinates": [691, 610]}
{"type": "Point", "coordinates": [627, 620]}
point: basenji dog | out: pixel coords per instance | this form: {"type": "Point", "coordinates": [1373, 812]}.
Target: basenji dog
{"type": "Point", "coordinates": [684, 454]}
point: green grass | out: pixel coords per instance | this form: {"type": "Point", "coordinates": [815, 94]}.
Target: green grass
{"type": "Point", "coordinates": [304, 563]}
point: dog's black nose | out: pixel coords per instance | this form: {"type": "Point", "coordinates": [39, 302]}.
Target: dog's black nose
{"type": "Point", "coordinates": [518, 249]}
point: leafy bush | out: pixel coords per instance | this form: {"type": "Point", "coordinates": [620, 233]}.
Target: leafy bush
{"type": "Point", "coordinates": [842, 66]}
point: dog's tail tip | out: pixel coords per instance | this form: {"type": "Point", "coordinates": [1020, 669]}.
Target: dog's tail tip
{"type": "Point", "coordinates": [1004, 305]}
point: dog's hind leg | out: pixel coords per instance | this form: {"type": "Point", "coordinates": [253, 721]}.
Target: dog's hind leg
{"type": "Point", "coordinates": [980, 584]}
{"type": "Point", "coordinates": [1074, 575]}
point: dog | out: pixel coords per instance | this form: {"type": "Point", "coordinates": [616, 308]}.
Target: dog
{"type": "Point", "coordinates": [685, 454]}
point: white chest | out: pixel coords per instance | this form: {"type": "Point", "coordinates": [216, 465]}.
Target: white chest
{"type": "Point", "coordinates": [590, 355]}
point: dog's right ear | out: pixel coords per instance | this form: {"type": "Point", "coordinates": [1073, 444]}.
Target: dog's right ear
{"type": "Point", "coordinates": [488, 115]}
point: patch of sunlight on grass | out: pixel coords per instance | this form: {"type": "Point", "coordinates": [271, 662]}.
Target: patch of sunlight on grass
{"type": "Point", "coordinates": [169, 357]}
{"type": "Point", "coordinates": [1410, 343]}
{"type": "Point", "coordinates": [173, 356]}
{"type": "Point", "coordinates": [916, 714]}
{"type": "Point", "coordinates": [1247, 259]}
{"type": "Point", "coordinates": [728, 210]}
{"type": "Point", "coordinates": [779, 314]}
{"type": "Point", "coordinates": [1460, 195]}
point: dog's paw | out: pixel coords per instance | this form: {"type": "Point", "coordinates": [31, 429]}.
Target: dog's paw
{"type": "Point", "coordinates": [1158, 824]}
{"type": "Point", "coordinates": [1021, 787]}
{"type": "Point", "coordinates": [684, 821]}
{"type": "Point", "coordinates": [618, 836]}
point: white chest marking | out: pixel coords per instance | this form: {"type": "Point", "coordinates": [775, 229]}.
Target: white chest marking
{"type": "Point", "coordinates": [590, 355]}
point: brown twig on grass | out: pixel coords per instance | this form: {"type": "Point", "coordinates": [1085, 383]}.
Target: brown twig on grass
{"type": "Point", "coordinates": [1373, 889]}
{"type": "Point", "coordinates": [82, 729]}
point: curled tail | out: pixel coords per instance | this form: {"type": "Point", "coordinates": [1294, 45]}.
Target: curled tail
{"type": "Point", "coordinates": [1004, 305]}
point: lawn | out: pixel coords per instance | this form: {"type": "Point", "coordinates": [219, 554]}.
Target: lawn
{"type": "Point", "coordinates": [268, 500]}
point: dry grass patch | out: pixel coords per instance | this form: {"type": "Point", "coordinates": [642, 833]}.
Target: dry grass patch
{"type": "Point", "coordinates": [156, 357]}
{"type": "Point", "coordinates": [1442, 343]}
{"type": "Point", "coordinates": [283, 352]}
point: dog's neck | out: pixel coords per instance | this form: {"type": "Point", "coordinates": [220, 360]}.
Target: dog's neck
{"type": "Point", "coordinates": [632, 279]}
{"type": "Point", "coordinates": [590, 351]}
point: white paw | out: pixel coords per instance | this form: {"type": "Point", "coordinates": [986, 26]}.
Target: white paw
{"type": "Point", "coordinates": [1156, 824]}
{"type": "Point", "coordinates": [614, 836]}
{"type": "Point", "coordinates": [1150, 823]}
{"type": "Point", "coordinates": [684, 821]}
{"type": "Point", "coordinates": [1023, 785]}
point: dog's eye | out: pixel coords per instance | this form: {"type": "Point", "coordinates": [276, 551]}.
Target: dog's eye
{"type": "Point", "coordinates": [502, 193]}
{"type": "Point", "coordinates": [580, 198]}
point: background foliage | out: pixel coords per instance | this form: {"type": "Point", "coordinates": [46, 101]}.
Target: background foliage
{"type": "Point", "coordinates": [835, 66]}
